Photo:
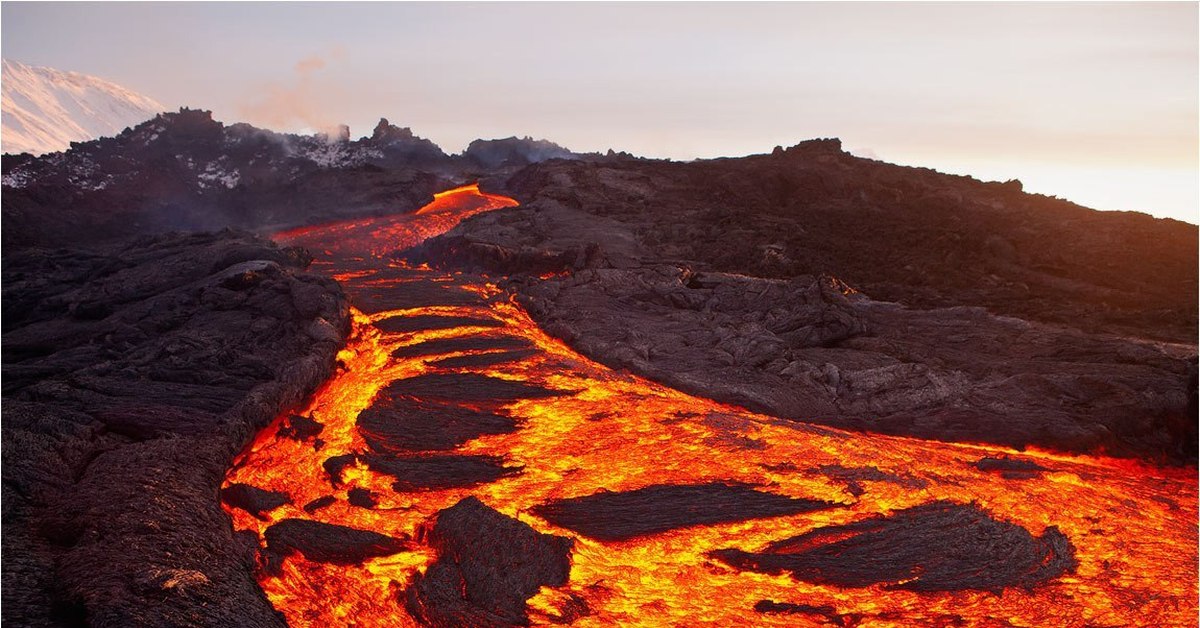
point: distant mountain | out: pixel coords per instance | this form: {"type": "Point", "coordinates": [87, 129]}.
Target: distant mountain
{"type": "Point", "coordinates": [47, 109]}
{"type": "Point", "coordinates": [185, 170]}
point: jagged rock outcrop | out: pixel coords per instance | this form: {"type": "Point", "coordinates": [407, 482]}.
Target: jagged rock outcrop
{"type": "Point", "coordinates": [400, 144]}
{"type": "Point", "coordinates": [513, 151]}
{"type": "Point", "coordinates": [133, 373]}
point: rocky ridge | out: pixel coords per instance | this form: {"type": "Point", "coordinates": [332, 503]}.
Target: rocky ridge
{"type": "Point", "coordinates": [186, 171]}
{"type": "Point", "coordinates": [819, 286]}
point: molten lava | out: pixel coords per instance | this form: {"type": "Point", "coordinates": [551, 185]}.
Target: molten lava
{"type": "Point", "coordinates": [1131, 526]}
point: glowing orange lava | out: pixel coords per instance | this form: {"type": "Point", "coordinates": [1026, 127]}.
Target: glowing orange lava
{"type": "Point", "coordinates": [1133, 525]}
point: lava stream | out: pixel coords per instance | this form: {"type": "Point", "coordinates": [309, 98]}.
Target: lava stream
{"type": "Point", "coordinates": [590, 429]}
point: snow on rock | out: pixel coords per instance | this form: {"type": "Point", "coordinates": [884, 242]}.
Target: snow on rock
{"type": "Point", "coordinates": [214, 175]}
{"type": "Point", "coordinates": [326, 154]}
{"type": "Point", "coordinates": [44, 109]}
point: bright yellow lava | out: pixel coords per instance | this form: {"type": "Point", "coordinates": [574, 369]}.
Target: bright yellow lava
{"type": "Point", "coordinates": [1133, 525]}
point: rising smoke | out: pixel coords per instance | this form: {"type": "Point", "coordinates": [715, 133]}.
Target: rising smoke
{"type": "Point", "coordinates": [299, 102]}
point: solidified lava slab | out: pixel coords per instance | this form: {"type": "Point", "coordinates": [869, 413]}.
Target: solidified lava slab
{"type": "Point", "coordinates": [479, 360]}
{"type": "Point", "coordinates": [869, 474]}
{"type": "Point", "coordinates": [419, 322]}
{"type": "Point", "coordinates": [252, 499]}
{"type": "Point", "coordinates": [300, 428]}
{"type": "Point", "coordinates": [488, 565]}
{"type": "Point", "coordinates": [319, 503]}
{"type": "Point", "coordinates": [327, 542]}
{"type": "Point", "coordinates": [417, 473]}
{"type": "Point", "coordinates": [400, 424]}
{"type": "Point", "coordinates": [471, 343]}
{"type": "Point", "coordinates": [828, 613]}
{"type": "Point", "coordinates": [410, 294]}
{"type": "Point", "coordinates": [608, 516]}
{"type": "Point", "coordinates": [469, 387]}
{"type": "Point", "coordinates": [939, 546]}
{"type": "Point", "coordinates": [1010, 468]}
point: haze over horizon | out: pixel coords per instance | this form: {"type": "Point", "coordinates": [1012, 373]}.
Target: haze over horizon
{"type": "Point", "coordinates": [1093, 103]}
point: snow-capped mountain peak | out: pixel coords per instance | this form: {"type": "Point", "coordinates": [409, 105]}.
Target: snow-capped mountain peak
{"type": "Point", "coordinates": [44, 109]}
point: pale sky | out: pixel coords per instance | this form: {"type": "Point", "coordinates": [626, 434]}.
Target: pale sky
{"type": "Point", "coordinates": [1094, 102]}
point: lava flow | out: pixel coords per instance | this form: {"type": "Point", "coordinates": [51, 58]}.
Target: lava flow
{"type": "Point", "coordinates": [675, 510]}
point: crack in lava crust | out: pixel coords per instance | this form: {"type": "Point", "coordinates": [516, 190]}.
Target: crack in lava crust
{"type": "Point", "coordinates": [1130, 557]}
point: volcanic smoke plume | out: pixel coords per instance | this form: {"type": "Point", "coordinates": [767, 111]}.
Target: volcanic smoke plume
{"type": "Point", "coordinates": [283, 105]}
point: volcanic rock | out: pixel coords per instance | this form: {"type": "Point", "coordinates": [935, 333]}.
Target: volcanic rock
{"type": "Point", "coordinates": [469, 387]}
{"type": "Point", "coordinates": [488, 565]}
{"type": "Point", "coordinates": [903, 234]}
{"type": "Point", "coordinates": [481, 360]}
{"type": "Point", "coordinates": [940, 546]}
{"type": "Point", "coordinates": [771, 606]}
{"type": "Point", "coordinates": [1010, 468]}
{"type": "Point", "coordinates": [420, 322]}
{"type": "Point", "coordinates": [438, 472]}
{"type": "Point", "coordinates": [327, 543]}
{"type": "Point", "coordinates": [301, 428]}
{"type": "Point", "coordinates": [362, 498]}
{"type": "Point", "coordinates": [467, 343]}
{"type": "Point", "coordinates": [754, 282]}
{"type": "Point", "coordinates": [855, 476]}
{"type": "Point", "coordinates": [253, 500]}
{"type": "Point", "coordinates": [400, 424]}
{"type": "Point", "coordinates": [319, 503]}
{"type": "Point", "coordinates": [608, 516]}
{"type": "Point", "coordinates": [511, 151]}
{"type": "Point", "coordinates": [184, 170]}
{"type": "Point", "coordinates": [409, 294]}
{"type": "Point", "coordinates": [132, 375]}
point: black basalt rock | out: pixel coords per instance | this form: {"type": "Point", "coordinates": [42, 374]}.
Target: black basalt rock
{"type": "Point", "coordinates": [470, 387]}
{"type": "Point", "coordinates": [252, 499]}
{"type": "Point", "coordinates": [437, 472]}
{"type": "Point", "coordinates": [403, 424]}
{"type": "Point", "coordinates": [609, 516]}
{"type": "Point", "coordinates": [488, 565]}
{"type": "Point", "coordinates": [468, 343]}
{"type": "Point", "coordinates": [939, 546]}
{"type": "Point", "coordinates": [326, 543]}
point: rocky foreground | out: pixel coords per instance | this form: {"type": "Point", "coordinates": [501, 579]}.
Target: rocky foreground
{"type": "Point", "coordinates": [133, 373]}
{"type": "Point", "coordinates": [815, 285]}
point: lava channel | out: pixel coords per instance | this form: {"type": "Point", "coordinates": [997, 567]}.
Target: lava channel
{"type": "Point", "coordinates": [462, 467]}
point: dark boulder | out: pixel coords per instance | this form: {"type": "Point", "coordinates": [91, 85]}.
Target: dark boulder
{"type": "Point", "coordinates": [326, 543]}
{"type": "Point", "coordinates": [488, 565]}
{"type": "Point", "coordinates": [253, 500]}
